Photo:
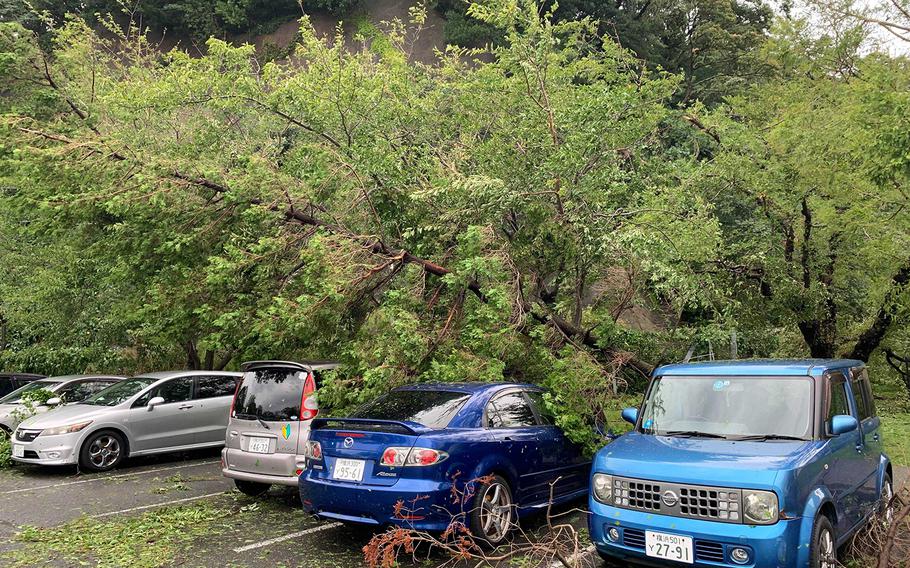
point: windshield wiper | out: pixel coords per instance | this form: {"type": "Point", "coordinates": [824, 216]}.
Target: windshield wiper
{"type": "Point", "coordinates": [764, 437]}
{"type": "Point", "coordinates": [264, 425]}
{"type": "Point", "coordinates": [693, 434]}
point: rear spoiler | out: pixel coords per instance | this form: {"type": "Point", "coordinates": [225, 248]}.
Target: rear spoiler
{"type": "Point", "coordinates": [369, 424]}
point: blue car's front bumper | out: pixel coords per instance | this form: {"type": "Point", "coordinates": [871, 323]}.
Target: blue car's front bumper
{"type": "Point", "coordinates": [773, 546]}
{"type": "Point", "coordinates": [426, 504]}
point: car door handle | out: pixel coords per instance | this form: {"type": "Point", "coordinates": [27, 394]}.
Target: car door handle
{"type": "Point", "coordinates": [875, 437]}
{"type": "Point", "coordinates": [185, 406]}
{"type": "Point", "coordinates": [859, 448]}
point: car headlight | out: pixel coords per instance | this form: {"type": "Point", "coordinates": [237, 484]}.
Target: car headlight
{"type": "Point", "coordinates": [69, 429]}
{"type": "Point", "coordinates": [760, 507]}
{"type": "Point", "coordinates": [602, 486]}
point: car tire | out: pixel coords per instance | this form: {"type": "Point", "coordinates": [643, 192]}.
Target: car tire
{"type": "Point", "coordinates": [251, 488]}
{"type": "Point", "coordinates": [492, 514]}
{"type": "Point", "coordinates": [823, 548]}
{"type": "Point", "coordinates": [5, 432]}
{"type": "Point", "coordinates": [102, 451]}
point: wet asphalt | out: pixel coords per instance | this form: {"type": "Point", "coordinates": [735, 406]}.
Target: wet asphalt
{"type": "Point", "coordinates": [273, 532]}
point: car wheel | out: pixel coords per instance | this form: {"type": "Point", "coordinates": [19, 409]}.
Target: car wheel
{"type": "Point", "coordinates": [251, 488]}
{"type": "Point", "coordinates": [102, 451]}
{"type": "Point", "coordinates": [823, 553]}
{"type": "Point", "coordinates": [493, 512]}
{"type": "Point", "coordinates": [5, 432]}
{"type": "Point", "coordinates": [886, 505]}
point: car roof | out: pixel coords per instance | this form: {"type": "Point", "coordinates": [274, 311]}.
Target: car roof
{"type": "Point", "coordinates": [471, 388]}
{"type": "Point", "coordinates": [63, 378]}
{"type": "Point", "coordinates": [21, 376]}
{"type": "Point", "coordinates": [158, 375]}
{"type": "Point", "coordinates": [758, 367]}
{"type": "Point", "coordinates": [312, 365]}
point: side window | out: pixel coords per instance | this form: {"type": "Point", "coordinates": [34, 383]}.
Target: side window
{"type": "Point", "coordinates": [176, 390]}
{"type": "Point", "coordinates": [837, 401]}
{"type": "Point", "coordinates": [863, 389]}
{"type": "Point", "coordinates": [83, 390]}
{"type": "Point", "coordinates": [512, 411]}
{"type": "Point", "coordinates": [546, 417]}
{"type": "Point", "coordinates": [858, 399]}
{"type": "Point", "coordinates": [864, 386]}
{"type": "Point", "coordinates": [211, 387]}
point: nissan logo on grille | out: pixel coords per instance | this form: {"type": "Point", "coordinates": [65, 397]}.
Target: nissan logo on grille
{"type": "Point", "coordinates": [670, 498]}
{"type": "Point", "coordinates": [348, 442]}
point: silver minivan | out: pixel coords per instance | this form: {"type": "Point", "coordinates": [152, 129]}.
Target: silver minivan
{"type": "Point", "coordinates": [270, 423]}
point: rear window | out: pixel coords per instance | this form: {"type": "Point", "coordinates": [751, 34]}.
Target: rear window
{"type": "Point", "coordinates": [433, 409]}
{"type": "Point", "coordinates": [272, 395]}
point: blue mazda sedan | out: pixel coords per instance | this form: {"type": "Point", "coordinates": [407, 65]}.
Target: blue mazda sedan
{"type": "Point", "coordinates": [422, 456]}
{"type": "Point", "coordinates": [746, 463]}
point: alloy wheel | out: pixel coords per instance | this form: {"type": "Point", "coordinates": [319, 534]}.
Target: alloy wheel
{"type": "Point", "coordinates": [827, 557]}
{"type": "Point", "coordinates": [104, 451]}
{"type": "Point", "coordinates": [496, 512]}
{"type": "Point", "coordinates": [887, 508]}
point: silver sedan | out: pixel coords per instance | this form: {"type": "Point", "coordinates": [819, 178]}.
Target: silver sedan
{"type": "Point", "coordinates": [150, 414]}
{"type": "Point", "coordinates": [66, 389]}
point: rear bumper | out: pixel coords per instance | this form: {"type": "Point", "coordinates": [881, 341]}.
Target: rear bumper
{"type": "Point", "coordinates": [426, 504]}
{"type": "Point", "coordinates": [776, 545]}
{"type": "Point", "coordinates": [273, 469]}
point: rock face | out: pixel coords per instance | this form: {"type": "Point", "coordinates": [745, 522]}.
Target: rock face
{"type": "Point", "coordinates": [431, 36]}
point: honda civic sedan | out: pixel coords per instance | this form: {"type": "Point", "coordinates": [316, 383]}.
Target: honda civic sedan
{"type": "Point", "coordinates": [151, 414]}
{"type": "Point", "coordinates": [426, 456]}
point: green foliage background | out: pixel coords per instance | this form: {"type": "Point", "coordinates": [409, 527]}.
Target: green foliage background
{"type": "Point", "coordinates": [557, 210]}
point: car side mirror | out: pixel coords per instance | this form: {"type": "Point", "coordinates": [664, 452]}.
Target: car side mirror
{"type": "Point", "coordinates": [154, 402]}
{"type": "Point", "coordinates": [842, 423]}
{"type": "Point", "coordinates": [53, 401]}
{"type": "Point", "coordinates": [630, 415]}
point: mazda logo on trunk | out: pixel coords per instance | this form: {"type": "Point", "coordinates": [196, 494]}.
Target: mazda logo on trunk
{"type": "Point", "coordinates": [348, 442]}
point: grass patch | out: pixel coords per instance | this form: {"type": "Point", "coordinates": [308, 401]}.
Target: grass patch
{"type": "Point", "coordinates": [896, 434]}
{"type": "Point", "coordinates": [147, 541]}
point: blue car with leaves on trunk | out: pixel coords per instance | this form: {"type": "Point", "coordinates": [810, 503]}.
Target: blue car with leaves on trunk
{"type": "Point", "coordinates": [744, 463]}
{"type": "Point", "coordinates": [424, 456]}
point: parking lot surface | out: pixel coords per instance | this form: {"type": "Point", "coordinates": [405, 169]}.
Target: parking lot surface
{"type": "Point", "coordinates": [184, 513]}
{"type": "Point", "coordinates": [201, 519]}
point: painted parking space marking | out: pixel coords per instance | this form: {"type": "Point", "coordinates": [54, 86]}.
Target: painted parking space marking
{"type": "Point", "coordinates": [278, 539]}
{"type": "Point", "coordinates": [155, 505]}
{"type": "Point", "coordinates": [102, 478]}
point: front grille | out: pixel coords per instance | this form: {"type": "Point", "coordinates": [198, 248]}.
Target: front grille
{"type": "Point", "coordinates": [707, 550]}
{"type": "Point", "coordinates": [27, 435]}
{"type": "Point", "coordinates": [678, 500]}
{"type": "Point", "coordinates": [633, 538]}
{"type": "Point", "coordinates": [642, 495]}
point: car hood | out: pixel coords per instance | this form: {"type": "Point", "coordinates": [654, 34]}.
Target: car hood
{"type": "Point", "coordinates": [701, 461]}
{"type": "Point", "coordinates": [65, 415]}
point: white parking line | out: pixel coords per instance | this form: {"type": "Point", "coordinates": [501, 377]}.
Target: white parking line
{"type": "Point", "coordinates": [81, 481]}
{"type": "Point", "coordinates": [272, 541]}
{"type": "Point", "coordinates": [154, 505]}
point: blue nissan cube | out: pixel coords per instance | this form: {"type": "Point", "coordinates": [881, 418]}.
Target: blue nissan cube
{"type": "Point", "coordinates": [743, 463]}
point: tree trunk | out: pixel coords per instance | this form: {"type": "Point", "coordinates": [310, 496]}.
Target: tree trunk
{"type": "Point", "coordinates": [192, 356]}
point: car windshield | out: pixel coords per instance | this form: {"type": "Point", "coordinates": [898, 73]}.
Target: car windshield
{"type": "Point", "coordinates": [433, 409]}
{"type": "Point", "coordinates": [16, 396]}
{"type": "Point", "coordinates": [729, 407]}
{"type": "Point", "coordinates": [272, 395]}
{"type": "Point", "coordinates": [120, 392]}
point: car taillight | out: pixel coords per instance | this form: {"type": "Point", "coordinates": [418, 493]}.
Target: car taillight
{"type": "Point", "coordinates": [313, 451]}
{"type": "Point", "coordinates": [398, 457]}
{"type": "Point", "coordinates": [309, 407]}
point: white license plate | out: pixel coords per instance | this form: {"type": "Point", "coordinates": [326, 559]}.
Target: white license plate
{"type": "Point", "coordinates": [669, 547]}
{"type": "Point", "coordinates": [18, 451]}
{"type": "Point", "coordinates": [348, 470]}
{"type": "Point", "coordinates": [259, 445]}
